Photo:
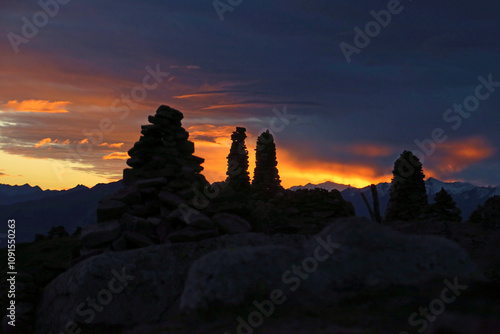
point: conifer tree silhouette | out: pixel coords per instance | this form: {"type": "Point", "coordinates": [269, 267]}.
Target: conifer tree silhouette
{"type": "Point", "coordinates": [266, 179]}
{"type": "Point", "coordinates": [444, 208]}
{"type": "Point", "coordinates": [408, 197]}
{"type": "Point", "coordinates": [488, 214]}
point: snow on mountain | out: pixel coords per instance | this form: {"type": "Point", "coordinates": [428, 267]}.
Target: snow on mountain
{"type": "Point", "coordinates": [466, 195]}
{"type": "Point", "coordinates": [434, 186]}
{"type": "Point", "coordinates": [326, 185]}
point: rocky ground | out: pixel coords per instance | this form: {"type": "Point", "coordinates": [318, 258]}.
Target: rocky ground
{"type": "Point", "coordinates": [376, 280]}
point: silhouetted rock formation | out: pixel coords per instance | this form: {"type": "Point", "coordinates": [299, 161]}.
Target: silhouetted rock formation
{"type": "Point", "coordinates": [149, 281]}
{"type": "Point", "coordinates": [266, 179]}
{"type": "Point", "coordinates": [487, 215]}
{"type": "Point", "coordinates": [164, 151]}
{"type": "Point", "coordinates": [408, 194]}
{"type": "Point", "coordinates": [163, 195]}
{"type": "Point", "coordinates": [237, 163]}
{"type": "Point", "coordinates": [155, 206]}
{"type": "Point", "coordinates": [227, 277]}
{"type": "Point", "coordinates": [444, 208]}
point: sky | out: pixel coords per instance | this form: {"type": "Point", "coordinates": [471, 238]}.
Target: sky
{"type": "Point", "coordinates": [344, 86]}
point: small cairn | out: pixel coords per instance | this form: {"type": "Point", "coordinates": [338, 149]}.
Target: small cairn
{"type": "Point", "coordinates": [157, 203]}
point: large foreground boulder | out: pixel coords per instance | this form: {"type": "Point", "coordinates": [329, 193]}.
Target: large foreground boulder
{"type": "Point", "coordinates": [117, 291]}
{"type": "Point", "coordinates": [348, 255]}
{"type": "Point", "coordinates": [124, 289]}
{"type": "Point", "coordinates": [222, 276]}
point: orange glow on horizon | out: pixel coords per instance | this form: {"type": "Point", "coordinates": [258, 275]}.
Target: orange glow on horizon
{"type": "Point", "coordinates": [294, 171]}
{"type": "Point", "coordinates": [213, 144]}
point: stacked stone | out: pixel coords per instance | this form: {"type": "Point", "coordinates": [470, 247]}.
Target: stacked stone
{"type": "Point", "coordinates": [161, 191]}
{"type": "Point", "coordinates": [266, 178]}
{"type": "Point", "coordinates": [237, 161]}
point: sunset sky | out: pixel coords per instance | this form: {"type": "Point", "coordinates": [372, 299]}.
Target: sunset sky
{"type": "Point", "coordinates": [75, 90]}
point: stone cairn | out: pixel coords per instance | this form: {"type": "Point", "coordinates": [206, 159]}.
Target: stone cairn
{"type": "Point", "coordinates": [158, 200]}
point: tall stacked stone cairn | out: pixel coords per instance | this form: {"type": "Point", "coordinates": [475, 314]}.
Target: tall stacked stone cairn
{"type": "Point", "coordinates": [237, 162]}
{"type": "Point", "coordinates": [160, 195]}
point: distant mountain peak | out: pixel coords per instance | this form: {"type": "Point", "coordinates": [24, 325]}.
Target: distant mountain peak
{"type": "Point", "coordinates": [328, 185]}
{"type": "Point", "coordinates": [432, 179]}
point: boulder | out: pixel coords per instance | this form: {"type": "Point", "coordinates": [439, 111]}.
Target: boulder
{"type": "Point", "coordinates": [109, 210]}
{"type": "Point", "coordinates": [136, 240]}
{"type": "Point", "coordinates": [120, 244]}
{"type": "Point", "coordinates": [192, 234]}
{"type": "Point", "coordinates": [129, 177]}
{"type": "Point", "coordinates": [102, 233]}
{"type": "Point", "coordinates": [190, 217]}
{"type": "Point", "coordinates": [151, 183]}
{"type": "Point", "coordinates": [347, 255]}
{"type": "Point", "coordinates": [171, 198]}
{"type": "Point", "coordinates": [154, 275]}
{"type": "Point", "coordinates": [138, 224]}
{"type": "Point", "coordinates": [154, 221]}
{"type": "Point", "coordinates": [231, 224]}
{"type": "Point", "coordinates": [127, 195]}
{"type": "Point", "coordinates": [221, 278]}
{"type": "Point", "coordinates": [452, 323]}
{"type": "Point", "coordinates": [373, 255]}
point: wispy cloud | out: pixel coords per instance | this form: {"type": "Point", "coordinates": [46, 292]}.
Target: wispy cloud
{"type": "Point", "coordinates": [211, 133]}
{"type": "Point", "coordinates": [116, 156]}
{"type": "Point", "coordinates": [371, 150]}
{"type": "Point", "coordinates": [259, 104]}
{"type": "Point", "coordinates": [38, 106]}
{"type": "Point", "coordinates": [116, 145]}
{"type": "Point", "coordinates": [3, 174]}
{"type": "Point", "coordinates": [43, 142]}
{"type": "Point", "coordinates": [456, 156]}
